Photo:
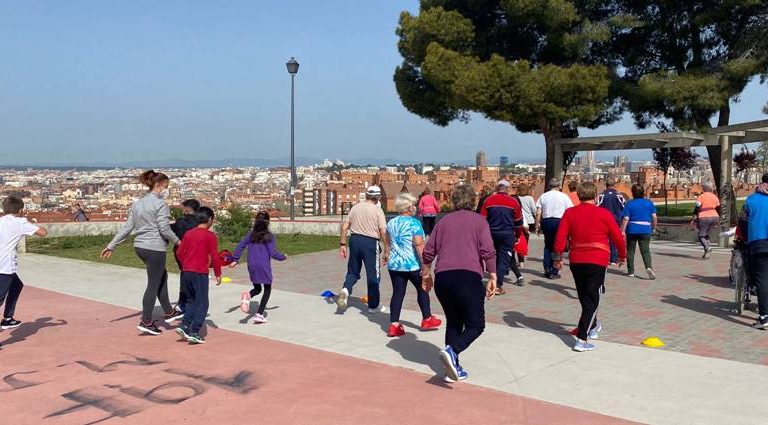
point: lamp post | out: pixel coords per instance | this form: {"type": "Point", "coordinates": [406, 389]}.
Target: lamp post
{"type": "Point", "coordinates": [293, 68]}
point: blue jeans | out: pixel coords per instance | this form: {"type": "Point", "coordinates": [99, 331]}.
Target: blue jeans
{"type": "Point", "coordinates": [196, 287]}
{"type": "Point", "coordinates": [614, 250]}
{"type": "Point", "coordinates": [364, 250]}
{"type": "Point", "coordinates": [549, 228]}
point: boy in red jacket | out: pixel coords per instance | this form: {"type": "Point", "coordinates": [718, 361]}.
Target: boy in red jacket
{"type": "Point", "coordinates": [199, 250]}
{"type": "Point", "coordinates": [589, 229]}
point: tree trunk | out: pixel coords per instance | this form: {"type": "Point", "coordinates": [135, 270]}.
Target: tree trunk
{"type": "Point", "coordinates": [553, 166]}
{"type": "Point", "coordinates": [724, 188]}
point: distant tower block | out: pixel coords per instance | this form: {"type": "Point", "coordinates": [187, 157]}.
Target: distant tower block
{"type": "Point", "coordinates": [480, 161]}
{"type": "Point", "coordinates": [503, 161]}
{"type": "Point", "coordinates": [590, 158]}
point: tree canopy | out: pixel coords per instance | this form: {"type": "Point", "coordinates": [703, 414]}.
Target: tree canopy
{"type": "Point", "coordinates": [525, 62]}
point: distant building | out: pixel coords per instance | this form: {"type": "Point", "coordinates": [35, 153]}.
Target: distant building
{"type": "Point", "coordinates": [620, 161]}
{"type": "Point", "coordinates": [503, 161]}
{"type": "Point", "coordinates": [480, 161]}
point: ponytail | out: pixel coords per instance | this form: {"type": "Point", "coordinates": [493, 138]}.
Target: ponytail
{"type": "Point", "coordinates": [150, 178]}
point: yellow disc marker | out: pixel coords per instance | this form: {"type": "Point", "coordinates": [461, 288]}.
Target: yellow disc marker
{"type": "Point", "coordinates": [226, 279]}
{"type": "Point", "coordinates": [653, 342]}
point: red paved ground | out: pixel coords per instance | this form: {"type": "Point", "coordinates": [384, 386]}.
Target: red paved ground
{"type": "Point", "coordinates": [84, 364]}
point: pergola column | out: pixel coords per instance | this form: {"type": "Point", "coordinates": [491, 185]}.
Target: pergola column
{"type": "Point", "coordinates": [727, 197]}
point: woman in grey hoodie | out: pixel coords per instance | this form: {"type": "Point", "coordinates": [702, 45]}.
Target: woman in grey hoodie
{"type": "Point", "coordinates": [150, 218]}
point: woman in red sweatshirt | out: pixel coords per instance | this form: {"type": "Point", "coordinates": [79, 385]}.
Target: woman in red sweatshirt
{"type": "Point", "coordinates": [589, 229]}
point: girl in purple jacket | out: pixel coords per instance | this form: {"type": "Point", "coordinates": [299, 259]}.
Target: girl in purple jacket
{"type": "Point", "coordinates": [260, 243]}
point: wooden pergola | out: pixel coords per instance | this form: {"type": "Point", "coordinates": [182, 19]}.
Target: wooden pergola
{"type": "Point", "coordinates": [725, 137]}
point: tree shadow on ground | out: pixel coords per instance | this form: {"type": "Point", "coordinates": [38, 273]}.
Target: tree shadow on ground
{"type": "Point", "coordinates": [719, 281]}
{"type": "Point", "coordinates": [520, 320]}
{"type": "Point", "coordinates": [721, 309]}
{"type": "Point", "coordinates": [31, 328]}
{"type": "Point", "coordinates": [691, 256]}
{"type": "Point", "coordinates": [561, 289]}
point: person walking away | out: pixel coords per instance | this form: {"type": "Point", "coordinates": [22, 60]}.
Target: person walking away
{"type": "Point", "coordinates": [504, 216]}
{"type": "Point", "coordinates": [549, 210]}
{"type": "Point", "coordinates": [406, 245]}
{"type": "Point", "coordinates": [706, 215]}
{"type": "Point", "coordinates": [754, 216]}
{"type": "Point", "coordinates": [463, 247]}
{"type": "Point", "coordinates": [150, 217]}
{"type": "Point", "coordinates": [573, 195]}
{"type": "Point", "coordinates": [589, 230]}
{"type": "Point", "coordinates": [262, 248]}
{"type": "Point", "coordinates": [199, 251]}
{"type": "Point", "coordinates": [79, 214]}
{"type": "Point", "coordinates": [368, 227]}
{"type": "Point", "coordinates": [528, 205]}
{"type": "Point", "coordinates": [638, 224]}
{"type": "Point", "coordinates": [614, 202]}
{"type": "Point", "coordinates": [187, 222]}
{"type": "Point", "coordinates": [13, 228]}
{"type": "Point", "coordinates": [428, 210]}
{"type": "Point", "coordinates": [484, 194]}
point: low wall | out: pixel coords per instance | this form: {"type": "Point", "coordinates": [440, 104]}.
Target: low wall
{"type": "Point", "coordinates": [680, 229]}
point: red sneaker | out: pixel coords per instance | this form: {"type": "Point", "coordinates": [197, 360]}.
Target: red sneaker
{"type": "Point", "coordinates": [431, 323]}
{"type": "Point", "coordinates": [395, 330]}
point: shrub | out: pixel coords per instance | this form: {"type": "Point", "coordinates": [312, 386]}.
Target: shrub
{"type": "Point", "coordinates": [233, 223]}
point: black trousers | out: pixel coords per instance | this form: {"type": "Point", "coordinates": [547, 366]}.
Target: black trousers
{"type": "Point", "coordinates": [157, 282]}
{"type": "Point", "coordinates": [257, 287]}
{"type": "Point", "coordinates": [758, 269]}
{"type": "Point", "coordinates": [10, 287]}
{"type": "Point", "coordinates": [462, 295]}
{"type": "Point", "coordinates": [429, 224]}
{"type": "Point", "coordinates": [182, 292]}
{"type": "Point", "coordinates": [399, 285]}
{"type": "Point", "coordinates": [589, 282]}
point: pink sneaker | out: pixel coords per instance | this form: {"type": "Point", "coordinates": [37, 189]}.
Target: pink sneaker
{"type": "Point", "coordinates": [245, 302]}
{"type": "Point", "coordinates": [259, 319]}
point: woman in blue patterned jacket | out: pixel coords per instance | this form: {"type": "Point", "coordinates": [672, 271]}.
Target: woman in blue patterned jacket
{"type": "Point", "coordinates": [406, 244]}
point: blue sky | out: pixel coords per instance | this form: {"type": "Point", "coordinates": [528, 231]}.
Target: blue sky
{"type": "Point", "coordinates": [116, 81]}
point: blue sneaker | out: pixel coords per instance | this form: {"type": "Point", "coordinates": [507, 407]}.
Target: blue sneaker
{"type": "Point", "coordinates": [450, 362]}
{"type": "Point", "coordinates": [462, 376]}
{"type": "Point", "coordinates": [595, 332]}
{"type": "Point", "coordinates": [582, 346]}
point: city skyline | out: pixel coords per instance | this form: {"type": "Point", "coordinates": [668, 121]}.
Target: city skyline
{"type": "Point", "coordinates": [109, 83]}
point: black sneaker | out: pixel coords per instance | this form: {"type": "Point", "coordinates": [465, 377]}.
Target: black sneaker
{"type": "Point", "coordinates": [182, 332]}
{"type": "Point", "coordinates": [761, 323]}
{"type": "Point", "coordinates": [149, 328]}
{"type": "Point", "coordinates": [175, 314]}
{"type": "Point", "coordinates": [9, 323]}
{"type": "Point", "coordinates": [195, 339]}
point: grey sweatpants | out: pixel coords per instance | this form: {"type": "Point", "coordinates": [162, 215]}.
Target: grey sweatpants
{"type": "Point", "coordinates": [157, 282]}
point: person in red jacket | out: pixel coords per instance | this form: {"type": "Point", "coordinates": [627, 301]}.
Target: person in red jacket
{"type": "Point", "coordinates": [589, 229]}
{"type": "Point", "coordinates": [198, 253]}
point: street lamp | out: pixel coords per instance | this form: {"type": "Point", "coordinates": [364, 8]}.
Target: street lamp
{"type": "Point", "coordinates": [293, 68]}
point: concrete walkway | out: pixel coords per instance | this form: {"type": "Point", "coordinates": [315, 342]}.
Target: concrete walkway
{"type": "Point", "coordinates": [622, 381]}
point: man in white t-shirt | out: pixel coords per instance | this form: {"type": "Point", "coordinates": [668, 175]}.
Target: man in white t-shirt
{"type": "Point", "coordinates": [12, 229]}
{"type": "Point", "coordinates": [549, 210]}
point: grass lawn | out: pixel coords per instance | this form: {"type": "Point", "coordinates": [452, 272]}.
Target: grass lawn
{"type": "Point", "coordinates": [685, 209]}
{"type": "Point", "coordinates": [89, 247]}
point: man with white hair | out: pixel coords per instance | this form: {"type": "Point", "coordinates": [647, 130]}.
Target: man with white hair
{"type": "Point", "coordinates": [706, 215]}
{"type": "Point", "coordinates": [549, 210]}
{"type": "Point", "coordinates": [368, 228]}
{"type": "Point", "coordinates": [504, 215]}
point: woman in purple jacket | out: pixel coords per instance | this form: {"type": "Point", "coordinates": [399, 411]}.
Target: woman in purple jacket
{"type": "Point", "coordinates": [463, 246]}
{"type": "Point", "coordinates": [260, 243]}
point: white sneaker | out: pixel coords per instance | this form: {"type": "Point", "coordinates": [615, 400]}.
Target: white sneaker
{"type": "Point", "coordinates": [341, 299]}
{"type": "Point", "coordinates": [651, 274]}
{"type": "Point", "coordinates": [380, 309]}
{"type": "Point", "coordinates": [258, 319]}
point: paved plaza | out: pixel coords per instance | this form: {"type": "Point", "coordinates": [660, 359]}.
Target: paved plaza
{"type": "Point", "coordinates": [78, 359]}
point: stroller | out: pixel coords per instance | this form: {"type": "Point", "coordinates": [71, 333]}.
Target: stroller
{"type": "Point", "coordinates": [739, 276]}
